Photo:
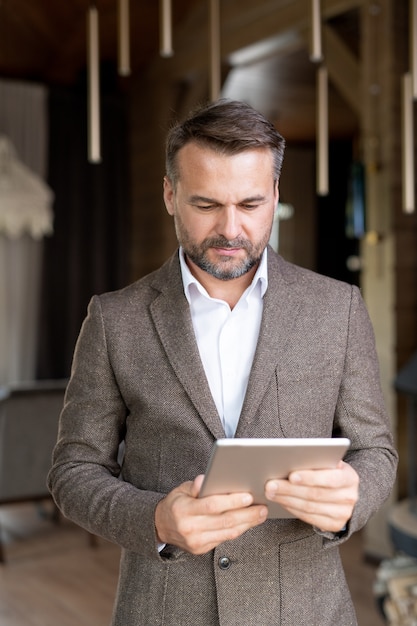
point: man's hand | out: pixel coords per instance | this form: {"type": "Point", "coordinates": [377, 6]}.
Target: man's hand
{"type": "Point", "coordinates": [322, 498]}
{"type": "Point", "coordinates": [198, 525]}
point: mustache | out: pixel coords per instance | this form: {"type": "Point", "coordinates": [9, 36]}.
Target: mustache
{"type": "Point", "coordinates": [222, 242]}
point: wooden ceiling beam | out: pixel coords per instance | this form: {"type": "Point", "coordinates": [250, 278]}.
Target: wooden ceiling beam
{"type": "Point", "coordinates": [343, 68]}
{"type": "Point", "coordinates": [245, 22]}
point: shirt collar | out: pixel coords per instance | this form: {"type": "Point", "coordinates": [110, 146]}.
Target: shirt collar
{"type": "Point", "coordinates": [261, 277]}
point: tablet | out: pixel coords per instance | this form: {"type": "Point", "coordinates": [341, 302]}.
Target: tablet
{"type": "Point", "coordinates": [246, 464]}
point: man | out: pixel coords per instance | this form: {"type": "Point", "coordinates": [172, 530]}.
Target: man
{"type": "Point", "coordinates": [226, 339]}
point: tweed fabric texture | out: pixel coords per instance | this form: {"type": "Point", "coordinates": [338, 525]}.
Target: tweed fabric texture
{"type": "Point", "coordinates": [137, 377]}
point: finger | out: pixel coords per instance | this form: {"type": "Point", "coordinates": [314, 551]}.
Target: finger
{"type": "Point", "coordinates": [305, 501]}
{"type": "Point", "coordinates": [342, 476]}
{"type": "Point", "coordinates": [287, 493]}
{"type": "Point", "coordinates": [217, 505]}
{"type": "Point", "coordinates": [317, 478]}
{"type": "Point", "coordinates": [196, 486]}
{"type": "Point", "coordinates": [234, 501]}
{"type": "Point", "coordinates": [226, 527]}
{"type": "Point", "coordinates": [328, 509]}
{"type": "Point", "coordinates": [325, 523]}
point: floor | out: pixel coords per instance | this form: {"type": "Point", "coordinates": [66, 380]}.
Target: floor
{"type": "Point", "coordinates": [53, 577]}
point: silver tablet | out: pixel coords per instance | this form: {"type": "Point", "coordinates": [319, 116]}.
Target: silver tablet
{"type": "Point", "coordinates": [246, 464]}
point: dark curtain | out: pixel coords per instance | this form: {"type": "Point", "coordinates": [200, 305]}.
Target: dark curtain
{"type": "Point", "coordinates": [334, 246]}
{"type": "Point", "coordinates": [88, 252]}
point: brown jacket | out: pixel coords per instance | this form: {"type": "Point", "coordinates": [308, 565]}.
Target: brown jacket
{"type": "Point", "coordinates": [137, 377]}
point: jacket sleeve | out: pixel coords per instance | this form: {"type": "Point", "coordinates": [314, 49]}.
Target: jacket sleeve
{"type": "Point", "coordinates": [84, 477]}
{"type": "Point", "coordinates": [361, 416]}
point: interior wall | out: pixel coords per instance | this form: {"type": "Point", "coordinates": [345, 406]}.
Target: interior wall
{"type": "Point", "coordinates": [153, 235]}
{"type": "Point", "coordinates": [298, 234]}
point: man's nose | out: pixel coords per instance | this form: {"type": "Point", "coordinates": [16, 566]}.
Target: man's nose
{"type": "Point", "coordinates": [229, 223]}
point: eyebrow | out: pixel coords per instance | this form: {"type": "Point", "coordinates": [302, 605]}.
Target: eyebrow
{"type": "Point", "coordinates": [196, 198]}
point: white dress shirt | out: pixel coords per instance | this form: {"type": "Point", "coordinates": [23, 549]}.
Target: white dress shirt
{"type": "Point", "coordinates": [226, 339]}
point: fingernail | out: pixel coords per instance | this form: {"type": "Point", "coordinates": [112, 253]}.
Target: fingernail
{"type": "Point", "coordinates": [272, 486]}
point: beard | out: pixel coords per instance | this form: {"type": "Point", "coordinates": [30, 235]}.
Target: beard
{"type": "Point", "coordinates": [226, 268]}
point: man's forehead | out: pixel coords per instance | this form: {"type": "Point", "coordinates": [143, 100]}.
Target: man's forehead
{"type": "Point", "coordinates": [193, 151]}
{"type": "Point", "coordinates": [194, 146]}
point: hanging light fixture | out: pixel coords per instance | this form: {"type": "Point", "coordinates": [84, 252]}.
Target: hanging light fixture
{"type": "Point", "coordinates": [215, 60]}
{"type": "Point", "coordinates": [322, 132]}
{"type": "Point", "coordinates": [165, 20]}
{"type": "Point", "coordinates": [124, 37]}
{"type": "Point", "coordinates": [413, 46]}
{"type": "Point", "coordinates": [93, 85]}
{"type": "Point", "coordinates": [322, 105]}
{"type": "Point", "coordinates": [316, 54]}
{"type": "Point", "coordinates": [407, 144]}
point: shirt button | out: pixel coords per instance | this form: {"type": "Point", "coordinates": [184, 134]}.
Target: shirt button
{"type": "Point", "coordinates": [224, 562]}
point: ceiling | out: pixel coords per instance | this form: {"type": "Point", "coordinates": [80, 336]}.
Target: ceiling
{"type": "Point", "coordinates": [45, 41]}
{"type": "Point", "coordinates": [284, 90]}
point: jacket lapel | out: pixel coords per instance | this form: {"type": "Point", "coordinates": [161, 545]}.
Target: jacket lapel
{"type": "Point", "coordinates": [171, 315]}
{"type": "Point", "coordinates": [282, 302]}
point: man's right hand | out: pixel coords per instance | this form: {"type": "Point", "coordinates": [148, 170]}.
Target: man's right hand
{"type": "Point", "coordinates": [198, 525]}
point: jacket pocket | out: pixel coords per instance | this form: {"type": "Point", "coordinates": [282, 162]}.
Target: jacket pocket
{"type": "Point", "coordinates": [313, 586]}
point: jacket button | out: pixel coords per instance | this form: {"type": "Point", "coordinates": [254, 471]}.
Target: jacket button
{"type": "Point", "coordinates": [224, 562]}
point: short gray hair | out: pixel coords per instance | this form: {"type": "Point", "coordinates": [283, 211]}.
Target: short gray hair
{"type": "Point", "coordinates": [228, 127]}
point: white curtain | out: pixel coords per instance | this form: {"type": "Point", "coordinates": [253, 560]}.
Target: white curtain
{"type": "Point", "coordinates": [23, 121]}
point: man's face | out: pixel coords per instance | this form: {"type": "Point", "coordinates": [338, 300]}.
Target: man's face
{"type": "Point", "coordinates": [223, 207]}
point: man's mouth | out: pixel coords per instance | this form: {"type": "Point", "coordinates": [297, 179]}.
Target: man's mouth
{"type": "Point", "coordinates": [227, 251]}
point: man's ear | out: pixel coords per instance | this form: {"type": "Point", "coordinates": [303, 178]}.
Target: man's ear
{"type": "Point", "coordinates": [169, 196]}
{"type": "Point", "coordinates": [276, 193]}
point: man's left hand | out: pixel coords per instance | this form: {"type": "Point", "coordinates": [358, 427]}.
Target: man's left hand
{"type": "Point", "coordinates": [322, 498]}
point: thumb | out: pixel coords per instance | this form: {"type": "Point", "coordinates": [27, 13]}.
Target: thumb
{"type": "Point", "coordinates": [196, 485]}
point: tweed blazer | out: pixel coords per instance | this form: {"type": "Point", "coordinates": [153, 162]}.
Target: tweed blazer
{"type": "Point", "coordinates": [137, 377]}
